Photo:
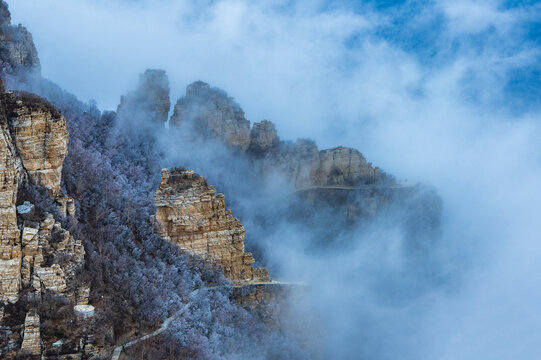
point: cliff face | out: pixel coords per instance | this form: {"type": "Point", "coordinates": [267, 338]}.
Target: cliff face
{"type": "Point", "coordinates": [306, 166]}
{"type": "Point", "coordinates": [150, 100]}
{"type": "Point", "coordinates": [191, 214]}
{"type": "Point", "coordinates": [263, 137]}
{"type": "Point", "coordinates": [49, 265]}
{"type": "Point", "coordinates": [17, 51]}
{"type": "Point", "coordinates": [37, 255]}
{"type": "Point", "coordinates": [342, 165]}
{"type": "Point", "coordinates": [210, 113]}
{"type": "Point", "coordinates": [10, 247]}
{"type": "Point", "coordinates": [40, 136]}
{"type": "Point", "coordinates": [33, 146]}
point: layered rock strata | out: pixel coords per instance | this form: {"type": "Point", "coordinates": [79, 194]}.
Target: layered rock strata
{"type": "Point", "coordinates": [33, 145]}
{"type": "Point", "coordinates": [263, 137]}
{"type": "Point", "coordinates": [191, 214]}
{"type": "Point", "coordinates": [10, 246]}
{"type": "Point", "coordinates": [31, 338]}
{"type": "Point", "coordinates": [17, 50]}
{"type": "Point", "coordinates": [38, 257]}
{"type": "Point", "coordinates": [210, 113]}
{"type": "Point", "coordinates": [40, 136]}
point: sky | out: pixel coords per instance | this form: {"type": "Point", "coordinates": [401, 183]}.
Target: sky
{"type": "Point", "coordinates": [444, 92]}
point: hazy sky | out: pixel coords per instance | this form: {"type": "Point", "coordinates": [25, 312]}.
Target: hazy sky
{"type": "Point", "coordinates": [446, 92]}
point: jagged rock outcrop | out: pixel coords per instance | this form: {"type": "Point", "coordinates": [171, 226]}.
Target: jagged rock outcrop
{"type": "Point", "coordinates": [306, 166]}
{"type": "Point", "coordinates": [37, 255]}
{"type": "Point", "coordinates": [18, 53]}
{"type": "Point", "coordinates": [40, 136]}
{"type": "Point", "coordinates": [51, 258]}
{"type": "Point", "coordinates": [343, 166]}
{"type": "Point", "coordinates": [191, 214]}
{"type": "Point", "coordinates": [150, 100]}
{"type": "Point", "coordinates": [10, 247]}
{"type": "Point", "coordinates": [210, 113]}
{"type": "Point", "coordinates": [263, 137]}
{"type": "Point", "coordinates": [39, 259]}
{"type": "Point", "coordinates": [31, 339]}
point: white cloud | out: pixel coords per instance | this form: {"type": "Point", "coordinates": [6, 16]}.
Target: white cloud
{"type": "Point", "coordinates": [467, 16]}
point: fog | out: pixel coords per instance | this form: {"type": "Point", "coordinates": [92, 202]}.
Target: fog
{"type": "Point", "coordinates": [441, 92]}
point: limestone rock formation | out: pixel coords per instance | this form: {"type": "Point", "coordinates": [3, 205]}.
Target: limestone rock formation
{"type": "Point", "coordinates": [263, 136]}
{"type": "Point", "coordinates": [210, 113]}
{"type": "Point", "coordinates": [31, 338]}
{"type": "Point", "coordinates": [150, 100]}
{"type": "Point", "coordinates": [17, 50]}
{"type": "Point", "coordinates": [34, 252]}
{"type": "Point", "coordinates": [51, 257]}
{"type": "Point", "coordinates": [40, 136]}
{"type": "Point", "coordinates": [191, 214]}
{"type": "Point", "coordinates": [306, 166]}
{"type": "Point", "coordinates": [10, 247]}
{"type": "Point", "coordinates": [343, 166]}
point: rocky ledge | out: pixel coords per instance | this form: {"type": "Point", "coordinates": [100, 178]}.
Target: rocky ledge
{"type": "Point", "coordinates": [191, 214]}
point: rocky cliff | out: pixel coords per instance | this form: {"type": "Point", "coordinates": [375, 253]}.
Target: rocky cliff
{"type": "Point", "coordinates": [38, 257]}
{"type": "Point", "coordinates": [210, 113]}
{"type": "Point", "coordinates": [40, 137]}
{"type": "Point", "coordinates": [139, 282]}
{"type": "Point", "coordinates": [18, 55]}
{"type": "Point", "coordinates": [263, 137]}
{"type": "Point", "coordinates": [33, 148]}
{"type": "Point", "coordinates": [10, 242]}
{"type": "Point", "coordinates": [191, 214]}
{"type": "Point", "coordinates": [149, 102]}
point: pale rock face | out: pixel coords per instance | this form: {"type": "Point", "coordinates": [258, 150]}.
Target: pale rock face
{"type": "Point", "coordinates": [48, 240]}
{"type": "Point", "coordinates": [10, 247]}
{"type": "Point", "coordinates": [149, 102]}
{"type": "Point", "coordinates": [191, 214]}
{"type": "Point", "coordinates": [40, 136]}
{"type": "Point", "coordinates": [31, 338]}
{"type": "Point", "coordinates": [52, 278]}
{"type": "Point", "coordinates": [305, 166]}
{"type": "Point", "coordinates": [263, 136]}
{"type": "Point", "coordinates": [210, 113]}
{"type": "Point", "coordinates": [296, 161]}
{"type": "Point", "coordinates": [66, 205]}
{"type": "Point", "coordinates": [17, 50]}
{"type": "Point", "coordinates": [36, 254]}
{"type": "Point", "coordinates": [343, 166]}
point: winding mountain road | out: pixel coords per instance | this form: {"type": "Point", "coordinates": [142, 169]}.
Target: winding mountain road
{"type": "Point", "coordinates": [346, 187]}
{"type": "Point", "coordinates": [161, 329]}
{"type": "Point", "coordinates": [165, 325]}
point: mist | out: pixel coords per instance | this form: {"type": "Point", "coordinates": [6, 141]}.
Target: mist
{"type": "Point", "coordinates": [443, 92]}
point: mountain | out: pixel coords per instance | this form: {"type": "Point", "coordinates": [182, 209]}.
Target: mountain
{"type": "Point", "coordinates": [111, 247]}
